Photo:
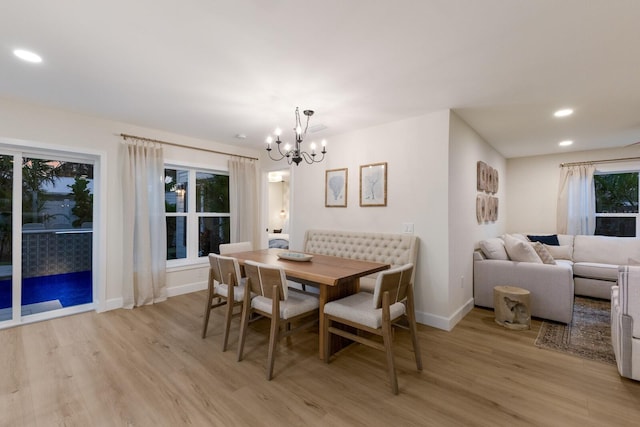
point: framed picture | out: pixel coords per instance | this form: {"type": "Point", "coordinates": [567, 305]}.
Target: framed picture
{"type": "Point", "coordinates": [335, 188]}
{"type": "Point", "coordinates": [373, 184]}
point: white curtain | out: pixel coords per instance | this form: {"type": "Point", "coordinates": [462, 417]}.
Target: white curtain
{"type": "Point", "coordinates": [577, 200]}
{"type": "Point", "coordinates": [244, 201]}
{"type": "Point", "coordinates": [145, 234]}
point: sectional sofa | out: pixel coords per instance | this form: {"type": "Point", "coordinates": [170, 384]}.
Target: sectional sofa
{"type": "Point", "coordinates": [575, 265]}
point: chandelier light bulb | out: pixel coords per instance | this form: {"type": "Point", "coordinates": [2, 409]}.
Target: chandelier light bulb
{"type": "Point", "coordinates": [313, 146]}
{"type": "Point", "coordinates": [269, 140]}
{"type": "Point", "coordinates": [287, 147]}
{"type": "Point", "coordinates": [324, 142]}
{"type": "Point", "coordinates": [277, 132]}
{"type": "Point", "coordinates": [298, 130]}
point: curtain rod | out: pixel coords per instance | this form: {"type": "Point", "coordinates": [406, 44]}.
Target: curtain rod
{"type": "Point", "coordinates": [140, 138]}
{"type": "Point", "coordinates": [623, 159]}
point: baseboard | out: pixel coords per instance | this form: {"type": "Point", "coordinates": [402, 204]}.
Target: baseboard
{"type": "Point", "coordinates": [115, 303]}
{"type": "Point", "coordinates": [112, 304]}
{"type": "Point", "coordinates": [186, 288]}
{"type": "Point", "coordinates": [444, 323]}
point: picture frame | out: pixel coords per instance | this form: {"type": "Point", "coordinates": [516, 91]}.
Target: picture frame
{"type": "Point", "coordinates": [373, 184]}
{"type": "Point", "coordinates": [335, 188]}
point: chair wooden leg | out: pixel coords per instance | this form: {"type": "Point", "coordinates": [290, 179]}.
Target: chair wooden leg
{"type": "Point", "coordinates": [413, 328]}
{"type": "Point", "coordinates": [244, 323]}
{"type": "Point", "coordinates": [275, 330]}
{"type": "Point", "coordinates": [227, 324]}
{"type": "Point", "coordinates": [326, 337]}
{"type": "Point", "coordinates": [273, 342]}
{"type": "Point", "coordinates": [387, 338]}
{"type": "Point", "coordinates": [288, 328]}
{"type": "Point", "coordinates": [207, 312]}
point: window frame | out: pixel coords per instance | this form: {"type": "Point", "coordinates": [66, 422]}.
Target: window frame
{"type": "Point", "coordinates": [192, 217]}
{"type": "Point", "coordinates": [615, 170]}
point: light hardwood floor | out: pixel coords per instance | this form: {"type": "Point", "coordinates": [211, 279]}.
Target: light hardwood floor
{"type": "Point", "coordinates": [150, 367]}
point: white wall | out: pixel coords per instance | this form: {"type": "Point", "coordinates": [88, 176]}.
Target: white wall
{"type": "Point", "coordinates": [416, 151]}
{"type": "Point", "coordinates": [466, 148]}
{"type": "Point", "coordinates": [532, 189]}
{"type": "Point", "coordinates": [50, 128]}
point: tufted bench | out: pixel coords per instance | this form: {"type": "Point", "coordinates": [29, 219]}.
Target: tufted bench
{"type": "Point", "coordinates": [394, 249]}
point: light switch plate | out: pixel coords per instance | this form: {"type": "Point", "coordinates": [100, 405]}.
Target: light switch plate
{"type": "Point", "coordinates": [407, 227]}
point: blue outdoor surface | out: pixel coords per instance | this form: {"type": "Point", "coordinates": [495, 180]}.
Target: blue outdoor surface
{"type": "Point", "coordinates": [69, 288]}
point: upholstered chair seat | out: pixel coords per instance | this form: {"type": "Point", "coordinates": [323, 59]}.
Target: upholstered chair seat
{"type": "Point", "coordinates": [222, 289]}
{"type": "Point", "coordinates": [358, 308]}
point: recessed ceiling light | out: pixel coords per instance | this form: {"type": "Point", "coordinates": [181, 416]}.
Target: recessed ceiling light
{"type": "Point", "coordinates": [565, 143]}
{"type": "Point", "coordinates": [27, 55]}
{"type": "Point", "coordinates": [241, 136]}
{"type": "Point", "coordinates": [564, 112]}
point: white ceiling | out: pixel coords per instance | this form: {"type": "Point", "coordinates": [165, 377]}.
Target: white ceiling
{"type": "Point", "coordinates": [213, 69]}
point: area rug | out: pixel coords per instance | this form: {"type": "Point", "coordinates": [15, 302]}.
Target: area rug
{"type": "Point", "coordinates": [588, 336]}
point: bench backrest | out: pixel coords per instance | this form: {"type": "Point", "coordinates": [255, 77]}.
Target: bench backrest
{"type": "Point", "coordinates": [395, 249]}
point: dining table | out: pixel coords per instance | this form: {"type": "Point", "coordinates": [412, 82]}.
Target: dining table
{"type": "Point", "coordinates": [335, 277]}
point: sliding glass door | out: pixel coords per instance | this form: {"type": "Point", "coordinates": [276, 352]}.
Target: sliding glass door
{"type": "Point", "coordinates": [53, 199]}
{"type": "Point", "coordinates": [6, 234]}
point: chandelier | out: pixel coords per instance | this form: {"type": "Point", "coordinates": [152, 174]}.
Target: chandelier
{"type": "Point", "coordinates": [295, 154]}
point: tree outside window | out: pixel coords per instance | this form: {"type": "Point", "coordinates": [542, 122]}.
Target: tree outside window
{"type": "Point", "coordinates": [617, 204]}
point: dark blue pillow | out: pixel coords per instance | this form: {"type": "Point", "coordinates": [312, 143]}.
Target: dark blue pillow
{"type": "Point", "coordinates": [551, 239]}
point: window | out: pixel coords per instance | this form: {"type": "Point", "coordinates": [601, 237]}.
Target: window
{"type": "Point", "coordinates": [197, 211]}
{"type": "Point", "coordinates": [617, 204]}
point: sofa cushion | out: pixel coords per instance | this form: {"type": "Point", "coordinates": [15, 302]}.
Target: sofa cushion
{"type": "Point", "coordinates": [564, 262]}
{"type": "Point", "coordinates": [518, 236]}
{"type": "Point", "coordinates": [605, 249]}
{"type": "Point", "coordinates": [519, 250]}
{"type": "Point", "coordinates": [543, 253]}
{"type": "Point", "coordinates": [594, 270]}
{"type": "Point", "coordinates": [494, 248]}
{"type": "Point", "coordinates": [560, 252]}
{"type": "Point", "coordinates": [551, 239]}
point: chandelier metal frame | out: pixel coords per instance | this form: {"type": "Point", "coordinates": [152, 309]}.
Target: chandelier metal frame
{"type": "Point", "coordinates": [296, 154]}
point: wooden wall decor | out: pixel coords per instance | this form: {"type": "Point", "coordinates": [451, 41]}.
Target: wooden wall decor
{"type": "Point", "coordinates": [487, 184]}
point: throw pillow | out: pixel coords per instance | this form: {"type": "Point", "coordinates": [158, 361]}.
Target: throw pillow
{"type": "Point", "coordinates": [494, 248]}
{"type": "Point", "coordinates": [516, 236]}
{"type": "Point", "coordinates": [520, 251]}
{"type": "Point", "coordinates": [551, 239]}
{"type": "Point", "coordinates": [543, 253]}
{"type": "Point", "coordinates": [560, 252]}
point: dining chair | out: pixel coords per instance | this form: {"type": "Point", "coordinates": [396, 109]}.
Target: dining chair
{"type": "Point", "coordinates": [226, 287]}
{"type": "Point", "coordinates": [377, 313]}
{"type": "Point", "coordinates": [274, 299]}
{"type": "Point", "coordinates": [229, 248]}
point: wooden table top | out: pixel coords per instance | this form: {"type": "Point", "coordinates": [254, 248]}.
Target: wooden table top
{"type": "Point", "coordinates": [321, 269]}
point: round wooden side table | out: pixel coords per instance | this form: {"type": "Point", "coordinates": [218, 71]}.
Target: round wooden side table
{"type": "Point", "coordinates": [512, 307]}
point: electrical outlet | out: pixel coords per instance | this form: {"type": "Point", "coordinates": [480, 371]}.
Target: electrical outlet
{"type": "Point", "coordinates": [407, 227]}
